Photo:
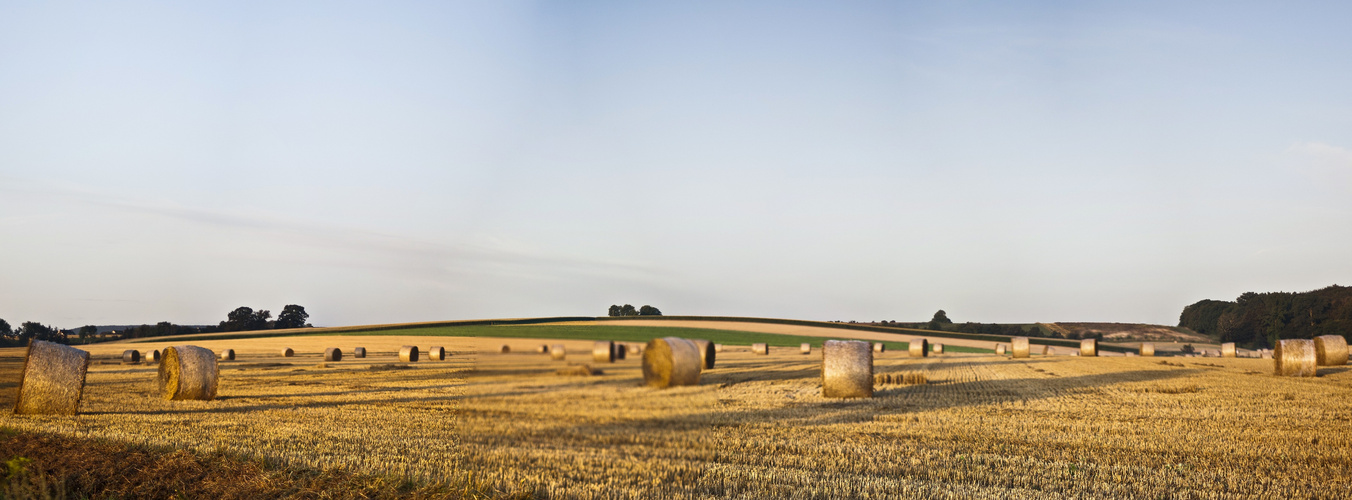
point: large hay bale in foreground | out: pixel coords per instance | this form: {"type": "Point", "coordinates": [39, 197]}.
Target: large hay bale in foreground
{"type": "Point", "coordinates": [359, 352]}
{"type": "Point", "coordinates": [1228, 350]}
{"type": "Point", "coordinates": [189, 372]}
{"type": "Point", "coordinates": [1018, 347]}
{"type": "Point", "coordinates": [228, 355]}
{"type": "Point", "coordinates": [557, 352]}
{"type": "Point", "coordinates": [1000, 349]}
{"type": "Point", "coordinates": [760, 348]}
{"type": "Point", "coordinates": [408, 354]}
{"type": "Point", "coordinates": [52, 379]}
{"type": "Point", "coordinates": [287, 352]}
{"type": "Point", "coordinates": [1089, 347]}
{"type": "Point", "coordinates": [671, 361]}
{"type": "Point", "coordinates": [1294, 358]}
{"type": "Point", "coordinates": [879, 347]}
{"type": "Point", "coordinates": [1147, 349]}
{"type": "Point", "coordinates": [603, 351]}
{"type": "Point", "coordinates": [847, 369]}
{"type": "Point", "coordinates": [804, 348]}
{"type": "Point", "coordinates": [1330, 350]}
{"type": "Point", "coordinates": [131, 356]}
{"type": "Point", "coordinates": [919, 348]}
{"type": "Point", "coordinates": [333, 354]}
{"type": "Point", "coordinates": [436, 353]}
{"type": "Point", "coordinates": [938, 348]}
{"type": "Point", "coordinates": [707, 354]}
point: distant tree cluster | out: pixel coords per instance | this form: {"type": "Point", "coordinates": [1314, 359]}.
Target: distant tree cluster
{"type": "Point", "coordinates": [628, 310]}
{"type": "Point", "coordinates": [244, 319]}
{"type": "Point", "coordinates": [30, 330]}
{"type": "Point", "coordinates": [1259, 320]}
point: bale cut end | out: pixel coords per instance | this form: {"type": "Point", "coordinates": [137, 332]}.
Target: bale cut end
{"type": "Point", "coordinates": [919, 348]}
{"type": "Point", "coordinates": [333, 354]}
{"type": "Point", "coordinates": [408, 354]}
{"type": "Point", "coordinates": [189, 373]}
{"type": "Point", "coordinates": [1330, 350]}
{"type": "Point", "coordinates": [1294, 358]}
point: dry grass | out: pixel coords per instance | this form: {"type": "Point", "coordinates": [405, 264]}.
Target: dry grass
{"type": "Point", "coordinates": [757, 427]}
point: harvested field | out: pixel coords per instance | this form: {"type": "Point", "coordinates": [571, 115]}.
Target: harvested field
{"type": "Point", "coordinates": [982, 426]}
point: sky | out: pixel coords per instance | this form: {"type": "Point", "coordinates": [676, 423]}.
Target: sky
{"type": "Point", "coordinates": [381, 162]}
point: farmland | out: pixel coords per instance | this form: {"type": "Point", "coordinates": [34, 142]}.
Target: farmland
{"type": "Point", "coordinates": [983, 426]}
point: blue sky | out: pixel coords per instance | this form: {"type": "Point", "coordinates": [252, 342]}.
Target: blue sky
{"type": "Point", "coordinates": [384, 162]}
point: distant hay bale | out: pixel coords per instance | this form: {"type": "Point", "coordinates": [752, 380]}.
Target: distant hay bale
{"type": "Point", "coordinates": [1265, 354]}
{"type": "Point", "coordinates": [436, 353]}
{"type": "Point", "coordinates": [504, 349]}
{"type": "Point", "coordinates": [670, 361]}
{"type": "Point", "coordinates": [333, 354]}
{"type": "Point", "coordinates": [408, 354]}
{"type": "Point", "coordinates": [805, 348]}
{"type": "Point", "coordinates": [718, 347]}
{"type": "Point", "coordinates": [999, 349]}
{"type": "Point", "coordinates": [707, 354]}
{"type": "Point", "coordinates": [760, 348]}
{"type": "Point", "coordinates": [847, 369]}
{"type": "Point", "coordinates": [1295, 358]}
{"type": "Point", "coordinates": [1089, 347]}
{"type": "Point", "coordinates": [228, 355]}
{"type": "Point", "coordinates": [579, 370]}
{"type": "Point", "coordinates": [603, 351]}
{"type": "Point", "coordinates": [1018, 347]}
{"type": "Point", "coordinates": [52, 379]}
{"type": "Point", "coordinates": [621, 351]}
{"type": "Point", "coordinates": [287, 352]}
{"type": "Point", "coordinates": [1330, 350]}
{"type": "Point", "coordinates": [879, 347]}
{"type": "Point", "coordinates": [189, 373]}
{"type": "Point", "coordinates": [359, 352]}
{"type": "Point", "coordinates": [1228, 350]}
{"type": "Point", "coordinates": [919, 348]}
{"type": "Point", "coordinates": [1047, 350]}
{"type": "Point", "coordinates": [938, 348]}
{"type": "Point", "coordinates": [1147, 349]}
{"type": "Point", "coordinates": [155, 356]}
{"type": "Point", "coordinates": [543, 349]}
{"type": "Point", "coordinates": [557, 352]}
{"type": "Point", "coordinates": [131, 357]}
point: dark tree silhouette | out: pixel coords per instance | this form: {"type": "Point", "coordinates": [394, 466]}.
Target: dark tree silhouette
{"type": "Point", "coordinates": [292, 316]}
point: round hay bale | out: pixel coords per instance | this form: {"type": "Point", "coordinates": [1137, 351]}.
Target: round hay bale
{"type": "Point", "coordinates": [671, 361]}
{"type": "Point", "coordinates": [718, 347]}
{"type": "Point", "coordinates": [621, 351]}
{"type": "Point", "coordinates": [1048, 350]}
{"type": "Point", "coordinates": [919, 348]}
{"type": "Point", "coordinates": [879, 347]}
{"type": "Point", "coordinates": [847, 369]}
{"type": "Point", "coordinates": [804, 348]}
{"type": "Point", "coordinates": [408, 354]}
{"type": "Point", "coordinates": [938, 348]}
{"type": "Point", "coordinates": [189, 372]}
{"type": "Point", "coordinates": [131, 356]}
{"type": "Point", "coordinates": [760, 348]}
{"type": "Point", "coordinates": [359, 352]}
{"type": "Point", "coordinates": [1330, 350]}
{"type": "Point", "coordinates": [1265, 354]}
{"type": "Point", "coordinates": [543, 349]}
{"type": "Point", "coordinates": [52, 379]}
{"type": "Point", "coordinates": [1147, 349]}
{"type": "Point", "coordinates": [603, 351]}
{"type": "Point", "coordinates": [1000, 349]}
{"type": "Point", "coordinates": [1018, 347]}
{"type": "Point", "coordinates": [155, 356]}
{"type": "Point", "coordinates": [1228, 350]}
{"type": "Point", "coordinates": [1294, 358]}
{"type": "Point", "coordinates": [1089, 347]}
{"type": "Point", "coordinates": [436, 353]}
{"type": "Point", "coordinates": [333, 354]}
{"type": "Point", "coordinates": [287, 352]}
{"type": "Point", "coordinates": [228, 355]}
{"type": "Point", "coordinates": [707, 354]}
{"type": "Point", "coordinates": [557, 352]}
{"type": "Point", "coordinates": [504, 349]}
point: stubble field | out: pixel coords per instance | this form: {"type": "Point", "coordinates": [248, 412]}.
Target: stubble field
{"type": "Point", "coordinates": [983, 426]}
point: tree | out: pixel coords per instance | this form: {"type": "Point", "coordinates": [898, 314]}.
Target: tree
{"type": "Point", "coordinates": [628, 310]}
{"type": "Point", "coordinates": [5, 330]}
{"type": "Point", "coordinates": [88, 331]}
{"type": "Point", "coordinates": [649, 311]}
{"type": "Point", "coordinates": [245, 319]}
{"type": "Point", "coordinates": [32, 330]}
{"type": "Point", "coordinates": [292, 316]}
{"type": "Point", "coordinates": [941, 317]}
{"type": "Point", "coordinates": [614, 310]}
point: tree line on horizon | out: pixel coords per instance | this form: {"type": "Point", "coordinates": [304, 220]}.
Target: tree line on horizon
{"type": "Point", "coordinates": [238, 320]}
{"type": "Point", "coordinates": [1259, 320]}
{"type": "Point", "coordinates": [628, 310]}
